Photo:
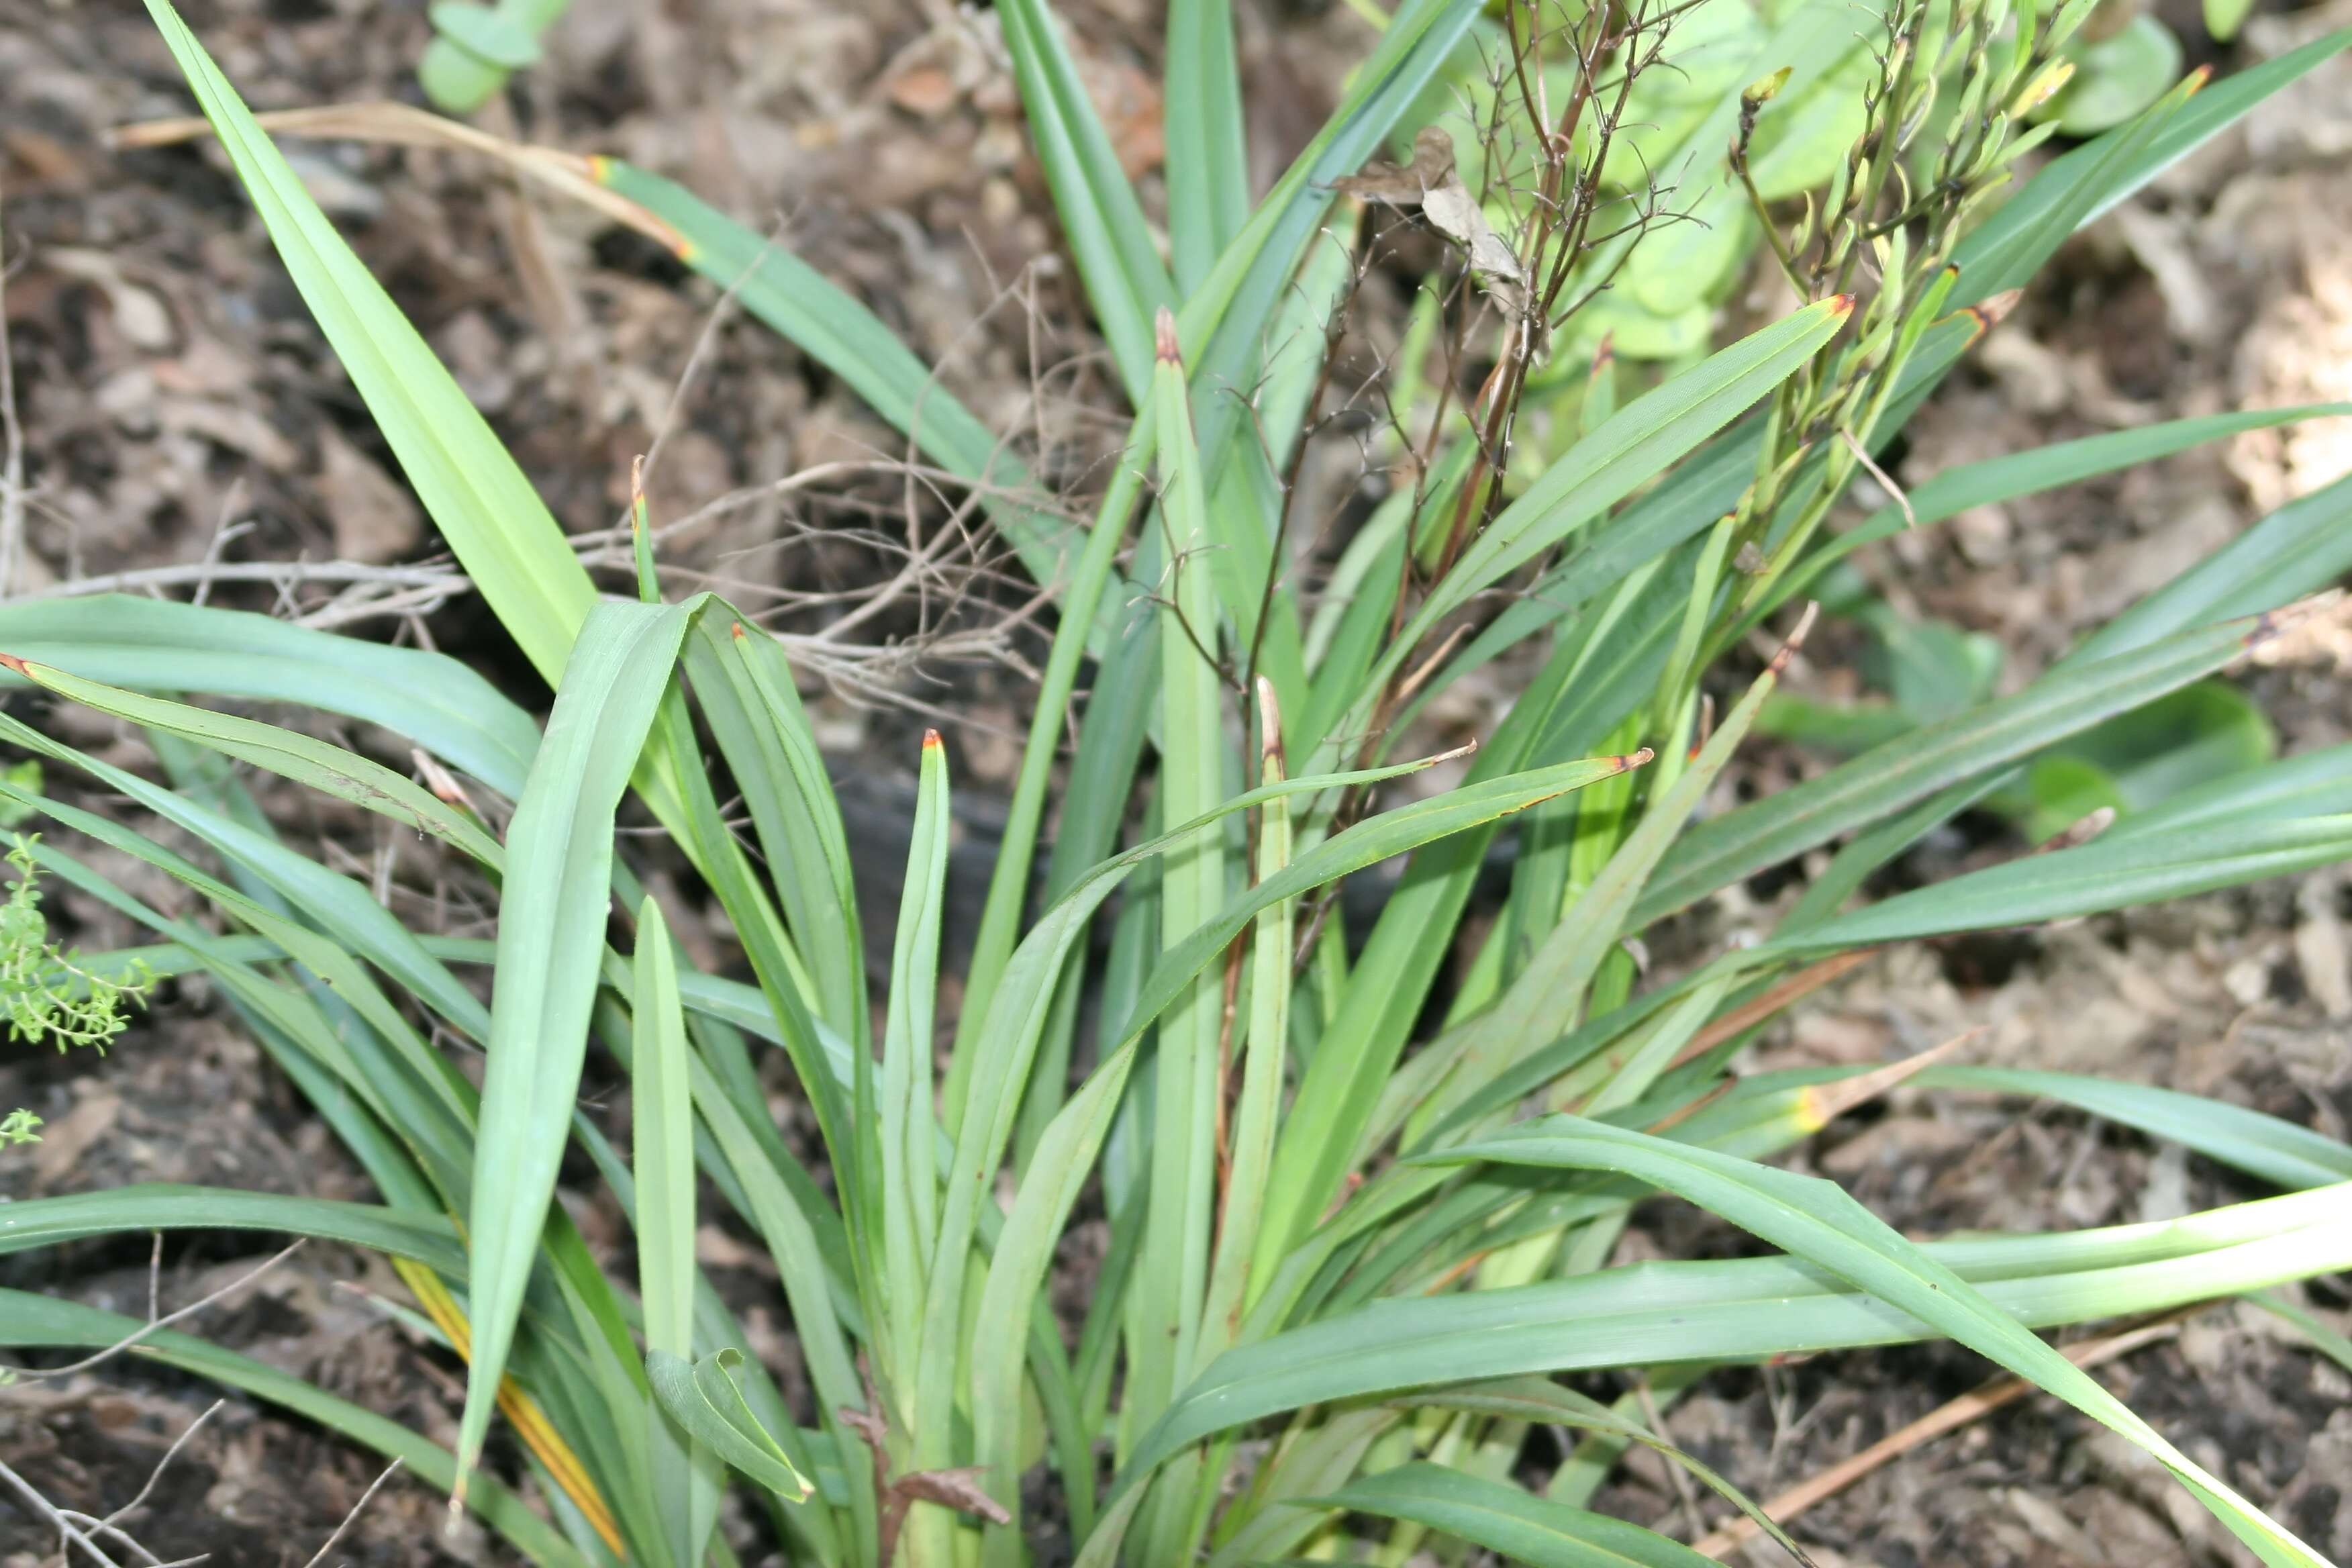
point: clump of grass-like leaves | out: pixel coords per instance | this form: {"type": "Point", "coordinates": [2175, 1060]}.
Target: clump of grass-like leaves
{"type": "Point", "coordinates": [1371, 1230]}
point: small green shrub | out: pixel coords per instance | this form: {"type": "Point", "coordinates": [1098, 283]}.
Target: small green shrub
{"type": "Point", "coordinates": [1327, 1223]}
{"type": "Point", "coordinates": [47, 995]}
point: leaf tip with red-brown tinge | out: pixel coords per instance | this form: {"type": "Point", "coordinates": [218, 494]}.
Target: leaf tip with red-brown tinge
{"type": "Point", "coordinates": [1163, 332]}
{"type": "Point", "coordinates": [2267, 625]}
{"type": "Point", "coordinates": [1841, 306]}
{"type": "Point", "coordinates": [1990, 314]}
{"type": "Point", "coordinates": [1633, 760]}
{"type": "Point", "coordinates": [10, 661]}
{"type": "Point", "coordinates": [1820, 1104]}
{"type": "Point", "coordinates": [735, 631]}
{"type": "Point", "coordinates": [1796, 642]}
{"type": "Point", "coordinates": [931, 741]}
{"type": "Point", "coordinates": [1269, 723]}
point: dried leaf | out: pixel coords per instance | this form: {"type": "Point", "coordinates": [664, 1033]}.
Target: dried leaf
{"type": "Point", "coordinates": [925, 90]}
{"type": "Point", "coordinates": [874, 1429]}
{"type": "Point", "coordinates": [1404, 185]}
{"type": "Point", "coordinates": [1454, 212]}
{"type": "Point", "coordinates": [958, 1488]}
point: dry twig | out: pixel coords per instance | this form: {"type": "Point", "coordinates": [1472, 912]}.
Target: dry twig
{"type": "Point", "coordinates": [320, 1556]}
{"type": "Point", "coordinates": [156, 1325]}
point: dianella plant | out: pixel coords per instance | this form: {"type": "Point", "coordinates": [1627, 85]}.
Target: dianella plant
{"type": "Point", "coordinates": [1357, 1190]}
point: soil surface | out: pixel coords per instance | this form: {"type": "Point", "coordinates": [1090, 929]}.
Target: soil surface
{"type": "Point", "coordinates": [181, 413]}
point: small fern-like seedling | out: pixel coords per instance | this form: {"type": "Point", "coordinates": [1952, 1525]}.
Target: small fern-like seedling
{"type": "Point", "coordinates": [47, 994]}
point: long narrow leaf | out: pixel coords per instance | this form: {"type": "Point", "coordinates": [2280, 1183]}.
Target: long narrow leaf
{"type": "Point", "coordinates": [1888, 777]}
{"type": "Point", "coordinates": [476, 496]}
{"type": "Point", "coordinates": [1097, 206]}
{"type": "Point", "coordinates": [1164, 1309]}
{"type": "Point", "coordinates": [551, 933]}
{"type": "Point", "coordinates": [703, 1397]}
{"type": "Point", "coordinates": [662, 1166]}
{"type": "Point", "coordinates": [162, 645]}
{"type": "Point", "coordinates": [1208, 162]}
{"type": "Point", "coordinates": [2091, 879]}
{"type": "Point", "coordinates": [323, 767]}
{"type": "Point", "coordinates": [1509, 1521]}
{"type": "Point", "coordinates": [1815, 1220]}
{"type": "Point", "coordinates": [1749, 1309]}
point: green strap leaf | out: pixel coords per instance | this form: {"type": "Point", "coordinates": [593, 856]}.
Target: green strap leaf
{"type": "Point", "coordinates": [785, 1215]}
{"type": "Point", "coordinates": [1257, 1107]}
{"type": "Point", "coordinates": [1989, 258]}
{"type": "Point", "coordinates": [1748, 1309]}
{"type": "Point", "coordinates": [1505, 1520]}
{"type": "Point", "coordinates": [29, 1223]}
{"type": "Point", "coordinates": [1538, 1399]}
{"type": "Point", "coordinates": [2299, 549]}
{"type": "Point", "coordinates": [2090, 879]}
{"type": "Point", "coordinates": [1888, 777]}
{"type": "Point", "coordinates": [777, 767]}
{"type": "Point", "coordinates": [1386, 990]}
{"type": "Point", "coordinates": [1100, 211]}
{"type": "Point", "coordinates": [702, 1397]}
{"type": "Point", "coordinates": [902, 1129]}
{"type": "Point", "coordinates": [327, 768]}
{"type": "Point", "coordinates": [1551, 991]}
{"type": "Point", "coordinates": [1164, 1309]}
{"type": "Point", "coordinates": [2336, 1347]}
{"type": "Point", "coordinates": [434, 1095]}
{"type": "Point", "coordinates": [1322, 1458]}
{"type": "Point", "coordinates": [162, 646]}
{"type": "Point", "coordinates": [1007, 1042]}
{"type": "Point", "coordinates": [1208, 159]}
{"type": "Point", "coordinates": [1225, 319]}
{"type": "Point", "coordinates": [1632, 446]}
{"type": "Point", "coordinates": [662, 1168]}
{"type": "Point", "coordinates": [2316, 783]}
{"type": "Point", "coordinates": [1089, 810]}
{"type": "Point", "coordinates": [1816, 1220]}
{"type": "Point", "coordinates": [501, 532]}
{"type": "Point", "coordinates": [1955, 489]}
{"type": "Point", "coordinates": [552, 917]}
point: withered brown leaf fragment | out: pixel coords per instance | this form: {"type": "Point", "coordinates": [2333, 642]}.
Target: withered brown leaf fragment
{"type": "Point", "coordinates": [1404, 185]}
{"type": "Point", "coordinates": [1454, 212]}
{"type": "Point", "coordinates": [956, 1489]}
